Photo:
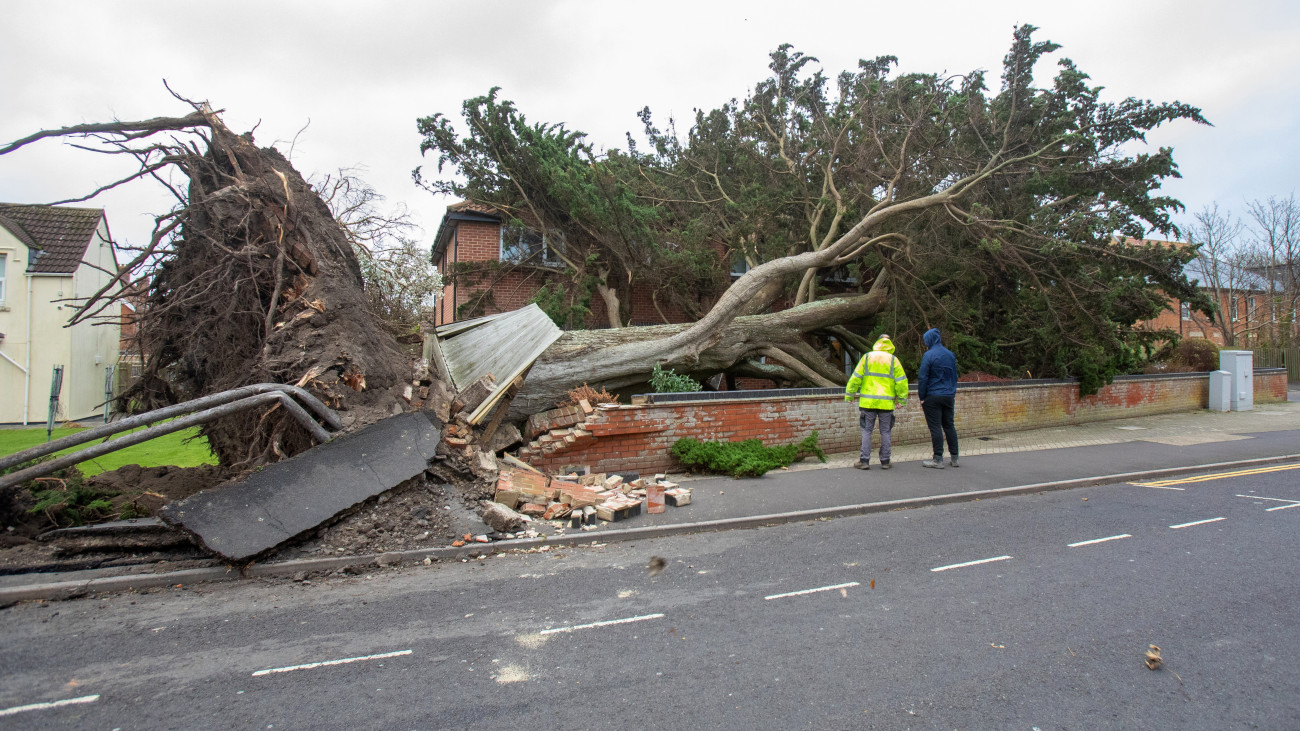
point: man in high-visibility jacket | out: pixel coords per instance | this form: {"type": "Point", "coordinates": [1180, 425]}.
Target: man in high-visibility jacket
{"type": "Point", "coordinates": [880, 385]}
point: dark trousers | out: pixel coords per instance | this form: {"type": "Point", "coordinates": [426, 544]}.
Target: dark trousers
{"type": "Point", "coordinates": [867, 419]}
{"type": "Point", "coordinates": [938, 416]}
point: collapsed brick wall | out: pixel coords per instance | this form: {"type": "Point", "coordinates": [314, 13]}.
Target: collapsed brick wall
{"type": "Point", "coordinates": [616, 438]}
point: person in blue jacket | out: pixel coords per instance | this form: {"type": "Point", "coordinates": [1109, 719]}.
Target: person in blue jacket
{"type": "Point", "coordinates": [936, 387]}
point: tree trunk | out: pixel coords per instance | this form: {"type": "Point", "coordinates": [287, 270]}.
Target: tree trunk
{"type": "Point", "coordinates": [617, 359]}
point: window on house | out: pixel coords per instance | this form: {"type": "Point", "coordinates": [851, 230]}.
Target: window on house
{"type": "Point", "coordinates": [738, 263]}
{"type": "Point", "coordinates": [1233, 307]}
{"type": "Point", "coordinates": [838, 275]}
{"type": "Point", "coordinates": [1250, 308]}
{"type": "Point", "coordinates": [1186, 311]}
{"type": "Point", "coordinates": [3, 261]}
{"type": "Point", "coordinates": [520, 244]}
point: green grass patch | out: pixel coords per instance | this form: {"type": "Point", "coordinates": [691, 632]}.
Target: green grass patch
{"type": "Point", "coordinates": [749, 458]}
{"type": "Point", "coordinates": [185, 448]}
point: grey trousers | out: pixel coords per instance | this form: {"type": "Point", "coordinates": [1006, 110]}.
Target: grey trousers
{"type": "Point", "coordinates": [867, 423]}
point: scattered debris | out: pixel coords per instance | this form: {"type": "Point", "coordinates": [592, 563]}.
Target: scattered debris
{"type": "Point", "coordinates": [502, 518]}
{"type": "Point", "coordinates": [656, 565]}
{"type": "Point", "coordinates": [1153, 658]}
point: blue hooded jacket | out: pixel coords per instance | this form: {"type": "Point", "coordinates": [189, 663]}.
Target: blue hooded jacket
{"type": "Point", "coordinates": [938, 373]}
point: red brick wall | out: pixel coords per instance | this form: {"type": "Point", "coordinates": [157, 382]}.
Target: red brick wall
{"type": "Point", "coordinates": [639, 437]}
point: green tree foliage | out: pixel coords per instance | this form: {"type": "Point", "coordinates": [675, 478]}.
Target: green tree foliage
{"type": "Point", "coordinates": [1015, 220]}
{"type": "Point", "coordinates": [666, 381]}
{"type": "Point", "coordinates": [748, 458]}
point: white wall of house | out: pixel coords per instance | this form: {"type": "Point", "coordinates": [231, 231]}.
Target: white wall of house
{"type": "Point", "coordinates": [13, 323]}
{"type": "Point", "coordinates": [37, 339]}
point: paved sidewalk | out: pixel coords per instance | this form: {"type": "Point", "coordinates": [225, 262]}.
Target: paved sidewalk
{"type": "Point", "coordinates": [1167, 441]}
{"type": "Point", "coordinates": [1029, 458]}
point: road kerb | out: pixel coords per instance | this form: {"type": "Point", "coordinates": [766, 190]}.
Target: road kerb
{"type": "Point", "coordinates": [74, 589]}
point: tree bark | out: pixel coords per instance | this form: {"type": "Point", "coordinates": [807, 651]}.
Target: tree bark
{"type": "Point", "coordinates": [585, 356]}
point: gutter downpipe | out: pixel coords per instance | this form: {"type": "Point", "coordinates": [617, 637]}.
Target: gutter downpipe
{"type": "Point", "coordinates": [27, 372]}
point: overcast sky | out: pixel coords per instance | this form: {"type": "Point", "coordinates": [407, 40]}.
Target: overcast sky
{"type": "Point", "coordinates": [357, 75]}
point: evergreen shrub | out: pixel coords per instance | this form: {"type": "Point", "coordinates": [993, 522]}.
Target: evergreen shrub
{"type": "Point", "coordinates": [748, 458]}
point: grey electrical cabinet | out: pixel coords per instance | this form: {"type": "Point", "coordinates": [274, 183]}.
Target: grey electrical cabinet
{"type": "Point", "coordinates": [1241, 364]}
{"type": "Point", "coordinates": [1220, 391]}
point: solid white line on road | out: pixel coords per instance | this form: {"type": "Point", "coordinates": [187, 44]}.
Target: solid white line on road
{"type": "Point", "coordinates": [1159, 487]}
{"type": "Point", "coordinates": [1099, 540]}
{"type": "Point", "coordinates": [812, 591]}
{"type": "Point", "coordinates": [606, 623]}
{"type": "Point", "coordinates": [971, 563]}
{"type": "Point", "coordinates": [1294, 503]}
{"type": "Point", "coordinates": [1196, 522]}
{"type": "Point", "coordinates": [47, 706]}
{"type": "Point", "coordinates": [327, 663]}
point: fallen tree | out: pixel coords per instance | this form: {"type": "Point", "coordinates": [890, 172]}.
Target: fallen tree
{"type": "Point", "coordinates": [1013, 220]}
{"type": "Point", "coordinates": [248, 279]}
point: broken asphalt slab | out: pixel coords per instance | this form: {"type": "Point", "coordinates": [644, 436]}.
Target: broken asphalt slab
{"type": "Point", "coordinates": [240, 521]}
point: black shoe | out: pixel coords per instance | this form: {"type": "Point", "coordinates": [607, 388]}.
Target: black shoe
{"type": "Point", "coordinates": [885, 465]}
{"type": "Point", "coordinates": [952, 461]}
{"type": "Point", "coordinates": [934, 463]}
{"type": "Point", "coordinates": [860, 465]}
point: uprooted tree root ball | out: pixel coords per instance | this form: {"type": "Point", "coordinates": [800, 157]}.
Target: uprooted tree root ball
{"type": "Point", "coordinates": [248, 279]}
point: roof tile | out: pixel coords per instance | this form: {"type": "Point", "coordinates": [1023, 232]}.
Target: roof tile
{"type": "Point", "coordinates": [59, 233]}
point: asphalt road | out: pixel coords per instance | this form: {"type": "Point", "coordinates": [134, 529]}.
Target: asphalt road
{"type": "Point", "coordinates": [881, 621]}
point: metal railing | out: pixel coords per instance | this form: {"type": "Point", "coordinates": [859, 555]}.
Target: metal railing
{"type": "Point", "coordinates": [200, 411]}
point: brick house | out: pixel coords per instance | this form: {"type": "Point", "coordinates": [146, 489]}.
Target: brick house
{"type": "Point", "coordinates": [1241, 296]}
{"type": "Point", "coordinates": [474, 233]}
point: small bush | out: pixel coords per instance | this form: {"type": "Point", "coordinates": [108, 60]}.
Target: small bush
{"type": "Point", "coordinates": [666, 381]}
{"type": "Point", "coordinates": [1198, 354]}
{"type": "Point", "coordinates": [66, 500]}
{"type": "Point", "coordinates": [592, 396]}
{"type": "Point", "coordinates": [743, 459]}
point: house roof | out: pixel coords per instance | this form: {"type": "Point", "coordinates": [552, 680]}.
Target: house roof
{"type": "Point", "coordinates": [456, 212]}
{"type": "Point", "coordinates": [56, 235]}
{"type": "Point", "coordinates": [1232, 276]}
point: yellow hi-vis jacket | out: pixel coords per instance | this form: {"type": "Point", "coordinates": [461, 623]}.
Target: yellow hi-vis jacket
{"type": "Point", "coordinates": [879, 381]}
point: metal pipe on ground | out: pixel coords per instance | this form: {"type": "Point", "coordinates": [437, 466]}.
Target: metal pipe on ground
{"type": "Point", "coordinates": [298, 412]}
{"type": "Point", "coordinates": [131, 422]}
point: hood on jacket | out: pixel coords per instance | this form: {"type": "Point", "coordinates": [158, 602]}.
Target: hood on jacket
{"type": "Point", "coordinates": [931, 337]}
{"type": "Point", "coordinates": [885, 344]}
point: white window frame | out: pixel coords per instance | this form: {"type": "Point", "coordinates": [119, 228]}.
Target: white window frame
{"type": "Point", "coordinates": [4, 261]}
{"type": "Point", "coordinates": [1233, 307]}
{"type": "Point", "coordinates": [1185, 310]}
{"type": "Point", "coordinates": [524, 250]}
{"type": "Point", "coordinates": [1250, 308]}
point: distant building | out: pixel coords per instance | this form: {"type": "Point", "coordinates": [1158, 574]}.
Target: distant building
{"type": "Point", "coordinates": [50, 255]}
{"type": "Point", "coordinates": [1247, 316]}
{"type": "Point", "coordinates": [473, 233]}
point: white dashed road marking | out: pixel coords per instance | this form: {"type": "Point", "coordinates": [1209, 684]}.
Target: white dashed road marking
{"type": "Point", "coordinates": [46, 706]}
{"type": "Point", "coordinates": [812, 591]}
{"type": "Point", "coordinates": [642, 618]}
{"type": "Point", "coordinates": [971, 563]}
{"type": "Point", "coordinates": [1196, 522]}
{"type": "Point", "coordinates": [327, 663]}
{"type": "Point", "coordinates": [1294, 502]}
{"type": "Point", "coordinates": [1100, 540]}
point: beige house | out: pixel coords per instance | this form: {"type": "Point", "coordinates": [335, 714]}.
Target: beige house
{"type": "Point", "coordinates": [48, 255]}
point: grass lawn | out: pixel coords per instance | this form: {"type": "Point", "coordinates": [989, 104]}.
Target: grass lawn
{"type": "Point", "coordinates": [184, 448]}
